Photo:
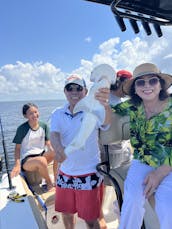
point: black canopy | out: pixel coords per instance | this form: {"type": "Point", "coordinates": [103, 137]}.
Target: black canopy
{"type": "Point", "coordinates": [158, 12]}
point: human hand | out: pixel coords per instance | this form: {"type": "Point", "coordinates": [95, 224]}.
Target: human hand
{"type": "Point", "coordinates": [154, 178]}
{"type": "Point", "coordinates": [103, 96]}
{"type": "Point", "coordinates": [15, 171]}
{"type": "Point", "coordinates": [61, 156]}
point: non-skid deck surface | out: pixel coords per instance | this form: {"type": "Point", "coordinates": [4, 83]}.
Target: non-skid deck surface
{"type": "Point", "coordinates": [111, 218]}
{"type": "Point", "coordinates": [24, 215]}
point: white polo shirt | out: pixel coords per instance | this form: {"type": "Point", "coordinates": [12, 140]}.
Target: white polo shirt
{"type": "Point", "coordinates": [82, 161]}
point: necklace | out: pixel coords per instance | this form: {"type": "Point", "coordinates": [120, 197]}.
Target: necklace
{"type": "Point", "coordinates": [154, 110]}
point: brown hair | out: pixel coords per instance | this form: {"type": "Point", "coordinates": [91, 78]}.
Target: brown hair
{"type": "Point", "coordinates": [137, 100]}
{"type": "Point", "coordinates": [27, 106]}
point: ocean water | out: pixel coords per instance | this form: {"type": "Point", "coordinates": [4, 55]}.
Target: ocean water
{"type": "Point", "coordinates": [11, 118]}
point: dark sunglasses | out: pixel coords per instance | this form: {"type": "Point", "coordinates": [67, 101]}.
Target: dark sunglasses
{"type": "Point", "coordinates": [113, 87]}
{"type": "Point", "coordinates": [152, 82]}
{"type": "Point", "coordinates": [73, 88]}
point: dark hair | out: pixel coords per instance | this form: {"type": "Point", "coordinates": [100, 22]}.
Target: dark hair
{"type": "Point", "coordinates": [118, 83]}
{"type": "Point", "coordinates": [136, 100]}
{"type": "Point", "coordinates": [27, 106]}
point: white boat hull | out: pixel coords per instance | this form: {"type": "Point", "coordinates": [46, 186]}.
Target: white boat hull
{"type": "Point", "coordinates": [17, 215]}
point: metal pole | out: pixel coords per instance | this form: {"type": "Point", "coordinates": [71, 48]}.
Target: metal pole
{"type": "Point", "coordinates": [6, 157]}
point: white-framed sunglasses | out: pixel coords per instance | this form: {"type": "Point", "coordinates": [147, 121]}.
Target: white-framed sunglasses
{"type": "Point", "coordinates": [152, 81]}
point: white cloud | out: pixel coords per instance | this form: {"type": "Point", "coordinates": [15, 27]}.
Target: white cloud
{"type": "Point", "coordinates": [45, 81]}
{"type": "Point", "coordinates": [26, 80]}
{"type": "Point", "coordinates": [88, 39]}
{"type": "Point", "coordinates": [133, 52]}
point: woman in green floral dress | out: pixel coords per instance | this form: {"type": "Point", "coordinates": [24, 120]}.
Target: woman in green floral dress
{"type": "Point", "coordinates": [150, 111]}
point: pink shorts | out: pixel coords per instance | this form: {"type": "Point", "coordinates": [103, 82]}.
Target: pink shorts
{"type": "Point", "coordinates": [87, 203]}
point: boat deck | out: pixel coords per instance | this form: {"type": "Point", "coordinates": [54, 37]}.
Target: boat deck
{"type": "Point", "coordinates": [30, 215]}
{"type": "Point", "coordinates": [111, 217]}
{"type": "Point", "coordinates": [108, 209]}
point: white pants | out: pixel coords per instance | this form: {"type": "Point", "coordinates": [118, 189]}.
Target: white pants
{"type": "Point", "coordinates": [133, 205]}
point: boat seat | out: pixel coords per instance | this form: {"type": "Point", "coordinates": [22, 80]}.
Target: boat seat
{"type": "Point", "coordinates": [33, 178]}
{"type": "Point", "coordinates": [118, 131]}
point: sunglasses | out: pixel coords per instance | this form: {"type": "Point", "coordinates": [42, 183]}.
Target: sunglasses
{"type": "Point", "coordinates": [152, 82]}
{"type": "Point", "coordinates": [73, 88]}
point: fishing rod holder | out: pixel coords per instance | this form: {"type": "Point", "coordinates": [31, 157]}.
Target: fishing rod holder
{"type": "Point", "coordinates": [158, 13]}
{"type": "Point", "coordinates": [155, 12]}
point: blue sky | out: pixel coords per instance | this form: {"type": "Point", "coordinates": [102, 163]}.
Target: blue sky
{"type": "Point", "coordinates": [55, 31]}
{"type": "Point", "coordinates": [42, 41]}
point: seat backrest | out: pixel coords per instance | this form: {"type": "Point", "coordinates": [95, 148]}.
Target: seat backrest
{"type": "Point", "coordinates": [118, 131]}
{"type": "Point", "coordinates": [33, 178]}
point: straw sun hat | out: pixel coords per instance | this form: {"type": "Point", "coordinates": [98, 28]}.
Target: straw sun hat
{"type": "Point", "coordinates": [147, 69]}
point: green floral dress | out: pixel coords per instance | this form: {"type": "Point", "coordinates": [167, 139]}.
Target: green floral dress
{"type": "Point", "coordinates": [151, 138]}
